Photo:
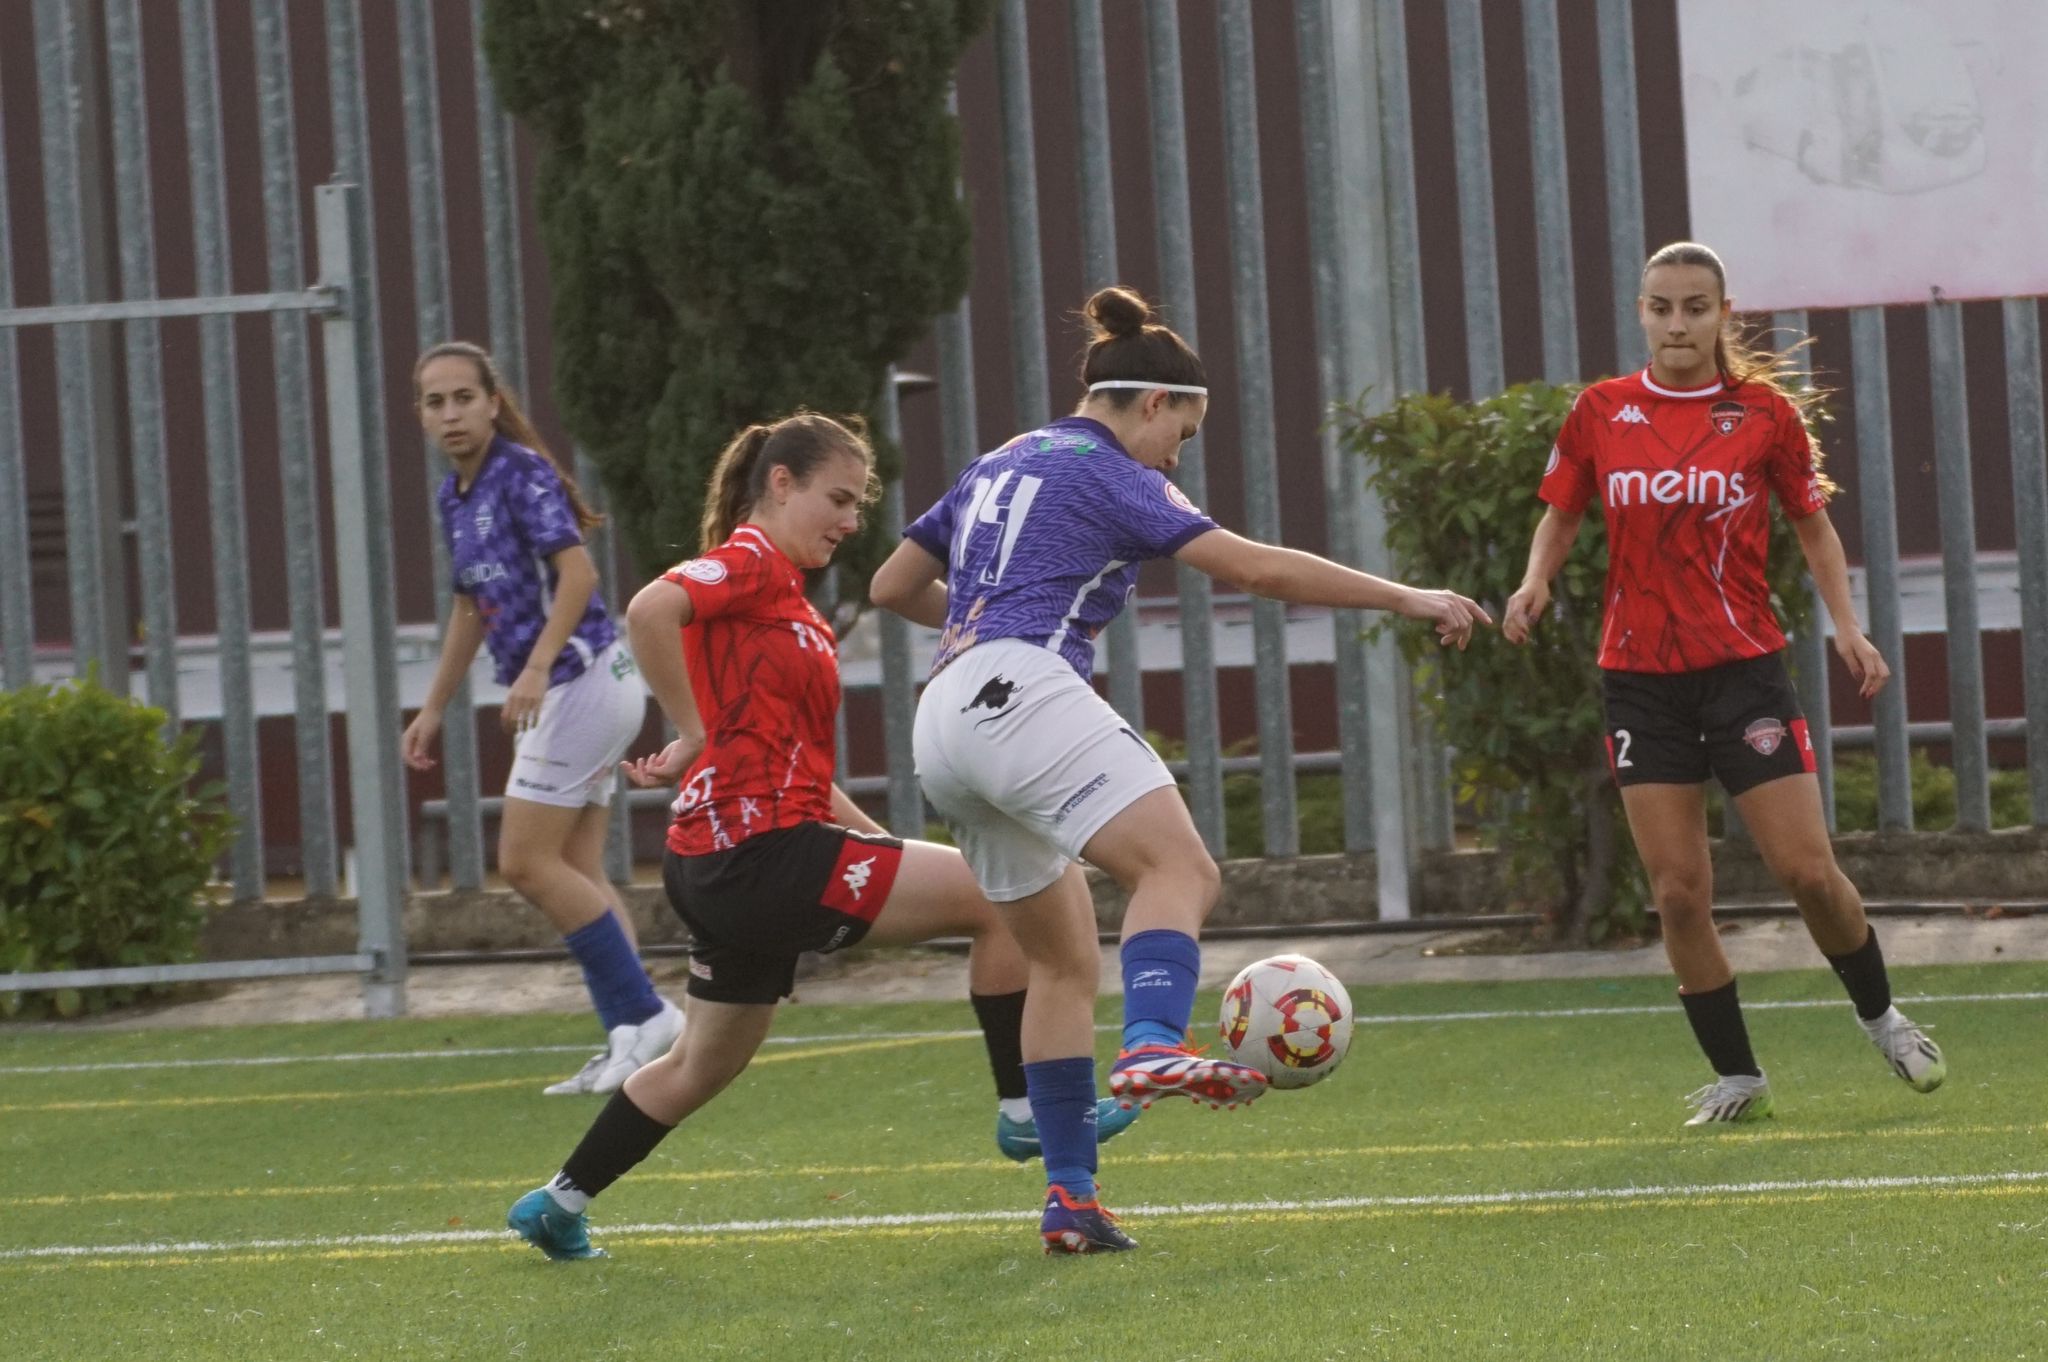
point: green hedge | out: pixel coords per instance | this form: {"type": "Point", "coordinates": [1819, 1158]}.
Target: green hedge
{"type": "Point", "coordinates": [105, 846]}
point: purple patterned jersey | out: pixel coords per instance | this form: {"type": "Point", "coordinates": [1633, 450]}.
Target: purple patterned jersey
{"type": "Point", "coordinates": [501, 533]}
{"type": "Point", "coordinates": [1042, 539]}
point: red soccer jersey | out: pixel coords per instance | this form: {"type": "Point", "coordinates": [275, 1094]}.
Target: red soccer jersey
{"type": "Point", "coordinates": [1681, 476]}
{"type": "Point", "coordinates": [764, 668]}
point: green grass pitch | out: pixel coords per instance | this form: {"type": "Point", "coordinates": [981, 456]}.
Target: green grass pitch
{"type": "Point", "coordinates": [1511, 1185]}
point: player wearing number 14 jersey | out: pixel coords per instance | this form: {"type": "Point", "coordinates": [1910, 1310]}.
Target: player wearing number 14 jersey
{"type": "Point", "coordinates": [1021, 564]}
{"type": "Point", "coordinates": [1684, 458]}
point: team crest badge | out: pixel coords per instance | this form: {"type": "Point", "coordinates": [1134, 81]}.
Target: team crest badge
{"type": "Point", "coordinates": [484, 520]}
{"type": "Point", "coordinates": [1726, 416]}
{"type": "Point", "coordinates": [1764, 736]}
{"type": "Point", "coordinates": [706, 570]}
{"type": "Point", "coordinates": [1180, 499]}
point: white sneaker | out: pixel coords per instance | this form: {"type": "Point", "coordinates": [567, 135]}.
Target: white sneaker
{"type": "Point", "coordinates": [1731, 1098]}
{"type": "Point", "coordinates": [632, 1046]}
{"type": "Point", "coordinates": [581, 1080]}
{"type": "Point", "coordinates": [1906, 1048]}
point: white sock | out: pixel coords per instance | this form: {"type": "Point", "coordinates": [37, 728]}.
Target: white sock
{"type": "Point", "coordinates": [1016, 1108]}
{"type": "Point", "coordinates": [567, 1197]}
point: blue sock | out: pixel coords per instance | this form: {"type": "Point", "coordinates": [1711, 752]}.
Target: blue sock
{"type": "Point", "coordinates": [1063, 1103]}
{"type": "Point", "coordinates": [1160, 972]}
{"type": "Point", "coordinates": [619, 987]}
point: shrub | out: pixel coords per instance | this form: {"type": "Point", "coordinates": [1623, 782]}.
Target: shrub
{"type": "Point", "coordinates": [1458, 480]}
{"type": "Point", "coordinates": [105, 847]}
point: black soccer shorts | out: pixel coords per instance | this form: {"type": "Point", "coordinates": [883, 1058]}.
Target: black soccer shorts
{"type": "Point", "coordinates": [753, 909]}
{"type": "Point", "coordinates": [1739, 723]}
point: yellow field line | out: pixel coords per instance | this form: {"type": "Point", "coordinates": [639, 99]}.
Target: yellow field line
{"type": "Point", "coordinates": [1009, 1225]}
{"type": "Point", "coordinates": [436, 1090]}
{"type": "Point", "coordinates": [1320, 1154]}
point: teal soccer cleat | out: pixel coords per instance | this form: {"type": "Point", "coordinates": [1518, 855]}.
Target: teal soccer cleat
{"type": "Point", "coordinates": [562, 1235]}
{"type": "Point", "coordinates": [1018, 1140]}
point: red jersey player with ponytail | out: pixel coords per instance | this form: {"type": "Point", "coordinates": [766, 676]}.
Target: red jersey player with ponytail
{"type": "Point", "coordinates": [1683, 457]}
{"type": "Point", "coordinates": [767, 858]}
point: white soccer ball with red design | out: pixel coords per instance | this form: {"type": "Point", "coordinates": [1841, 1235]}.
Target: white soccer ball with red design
{"type": "Point", "coordinates": [1287, 1017]}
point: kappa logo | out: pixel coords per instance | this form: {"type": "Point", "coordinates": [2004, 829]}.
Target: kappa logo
{"type": "Point", "coordinates": [1632, 415]}
{"type": "Point", "coordinates": [1726, 416]}
{"type": "Point", "coordinates": [857, 876]}
{"type": "Point", "coordinates": [1764, 736]}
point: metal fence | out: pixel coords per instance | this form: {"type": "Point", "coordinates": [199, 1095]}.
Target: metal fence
{"type": "Point", "coordinates": [1359, 194]}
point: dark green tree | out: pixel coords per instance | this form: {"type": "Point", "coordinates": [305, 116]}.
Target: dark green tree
{"type": "Point", "coordinates": [747, 208]}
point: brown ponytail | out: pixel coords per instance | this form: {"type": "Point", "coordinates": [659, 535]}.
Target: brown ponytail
{"type": "Point", "coordinates": [799, 442]}
{"type": "Point", "coordinates": [1742, 363]}
{"type": "Point", "coordinates": [511, 420]}
{"type": "Point", "coordinates": [1126, 343]}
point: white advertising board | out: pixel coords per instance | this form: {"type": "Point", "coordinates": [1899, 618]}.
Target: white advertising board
{"type": "Point", "coordinates": [1845, 152]}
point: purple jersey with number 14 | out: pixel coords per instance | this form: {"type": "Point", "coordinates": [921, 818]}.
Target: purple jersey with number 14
{"type": "Point", "coordinates": [1042, 539]}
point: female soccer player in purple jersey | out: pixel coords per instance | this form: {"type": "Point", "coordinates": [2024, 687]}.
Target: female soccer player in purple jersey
{"type": "Point", "coordinates": [1022, 563]}
{"type": "Point", "coordinates": [526, 586]}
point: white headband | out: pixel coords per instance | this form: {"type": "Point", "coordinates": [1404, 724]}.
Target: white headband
{"type": "Point", "coordinates": [1146, 383]}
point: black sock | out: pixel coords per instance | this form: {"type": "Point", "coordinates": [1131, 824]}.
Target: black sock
{"type": "Point", "coordinates": [1716, 1018]}
{"type": "Point", "coordinates": [1862, 973]}
{"type": "Point", "coordinates": [620, 1137]}
{"type": "Point", "coordinates": [1002, 1030]}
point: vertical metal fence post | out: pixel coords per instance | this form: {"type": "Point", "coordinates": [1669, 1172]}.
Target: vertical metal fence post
{"type": "Point", "coordinates": [17, 626]}
{"type": "Point", "coordinates": [1473, 157]}
{"type": "Point", "coordinates": [1810, 645]}
{"type": "Point", "coordinates": [954, 335]}
{"type": "Point", "coordinates": [1256, 420]}
{"type": "Point", "coordinates": [374, 776]}
{"type": "Point", "coordinates": [424, 190]}
{"type": "Point", "coordinates": [57, 79]}
{"type": "Point", "coordinates": [501, 218]}
{"type": "Point", "coordinates": [352, 164]}
{"type": "Point", "coordinates": [1622, 143]}
{"type": "Point", "coordinates": [1020, 200]}
{"type": "Point", "coordinates": [1968, 750]}
{"type": "Point", "coordinates": [1177, 279]}
{"type": "Point", "coordinates": [299, 474]}
{"type": "Point", "coordinates": [223, 442]}
{"type": "Point", "coordinates": [1312, 53]}
{"type": "Point", "coordinates": [1875, 495]}
{"type": "Point", "coordinates": [1543, 57]}
{"type": "Point", "coordinates": [1370, 355]}
{"type": "Point", "coordinates": [2030, 517]}
{"type": "Point", "coordinates": [1098, 270]}
{"type": "Point", "coordinates": [899, 678]}
{"type": "Point", "coordinates": [135, 225]}
{"type": "Point", "coordinates": [604, 550]}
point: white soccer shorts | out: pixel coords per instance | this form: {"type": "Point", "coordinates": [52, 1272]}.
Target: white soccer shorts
{"type": "Point", "coordinates": [569, 754]}
{"type": "Point", "coordinates": [1026, 763]}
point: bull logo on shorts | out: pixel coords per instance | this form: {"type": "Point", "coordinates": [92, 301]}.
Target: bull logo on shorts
{"type": "Point", "coordinates": [1726, 416]}
{"type": "Point", "coordinates": [1764, 736]}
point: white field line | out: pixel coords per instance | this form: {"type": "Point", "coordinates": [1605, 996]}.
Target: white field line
{"type": "Point", "coordinates": [1182, 1210]}
{"type": "Point", "coordinates": [1391, 1019]}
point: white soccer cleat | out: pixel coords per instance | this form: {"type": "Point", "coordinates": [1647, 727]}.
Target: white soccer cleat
{"type": "Point", "coordinates": [633, 1046]}
{"type": "Point", "coordinates": [1907, 1049]}
{"type": "Point", "coordinates": [581, 1080]}
{"type": "Point", "coordinates": [1729, 1099]}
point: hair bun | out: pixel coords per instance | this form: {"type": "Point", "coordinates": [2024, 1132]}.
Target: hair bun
{"type": "Point", "coordinates": [1117, 311]}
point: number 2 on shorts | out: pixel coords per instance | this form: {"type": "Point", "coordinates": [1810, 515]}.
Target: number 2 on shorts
{"type": "Point", "coordinates": [1621, 761]}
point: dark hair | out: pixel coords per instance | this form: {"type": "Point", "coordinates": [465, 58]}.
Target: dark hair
{"type": "Point", "coordinates": [511, 421]}
{"type": "Point", "coordinates": [1741, 362]}
{"type": "Point", "coordinates": [799, 442]}
{"type": "Point", "coordinates": [1126, 343]}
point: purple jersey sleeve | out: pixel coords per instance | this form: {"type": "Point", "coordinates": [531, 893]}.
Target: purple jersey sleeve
{"type": "Point", "coordinates": [541, 506]}
{"type": "Point", "coordinates": [933, 531]}
{"type": "Point", "coordinates": [1153, 518]}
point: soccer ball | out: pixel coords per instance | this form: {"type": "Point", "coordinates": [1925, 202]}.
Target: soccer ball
{"type": "Point", "coordinates": [1287, 1017]}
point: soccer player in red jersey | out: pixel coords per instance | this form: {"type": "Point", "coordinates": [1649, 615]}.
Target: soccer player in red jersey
{"type": "Point", "coordinates": [1681, 457]}
{"type": "Point", "coordinates": [767, 858]}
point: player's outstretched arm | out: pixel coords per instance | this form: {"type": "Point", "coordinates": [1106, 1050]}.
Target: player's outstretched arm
{"type": "Point", "coordinates": [1547, 552]}
{"type": "Point", "coordinates": [458, 649]}
{"type": "Point", "coordinates": [1830, 568]}
{"type": "Point", "coordinates": [1284, 574]}
{"type": "Point", "coordinates": [912, 584]}
{"type": "Point", "coordinates": [654, 625]}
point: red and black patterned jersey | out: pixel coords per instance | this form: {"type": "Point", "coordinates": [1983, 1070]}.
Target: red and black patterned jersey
{"type": "Point", "coordinates": [764, 668]}
{"type": "Point", "coordinates": [1682, 477]}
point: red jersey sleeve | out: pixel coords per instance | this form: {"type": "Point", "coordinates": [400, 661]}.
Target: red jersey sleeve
{"type": "Point", "coordinates": [1568, 479]}
{"type": "Point", "coordinates": [1789, 466]}
{"type": "Point", "coordinates": [725, 581]}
